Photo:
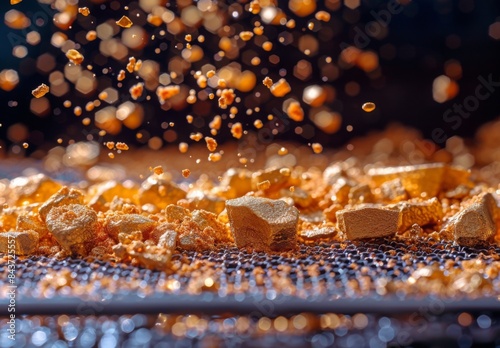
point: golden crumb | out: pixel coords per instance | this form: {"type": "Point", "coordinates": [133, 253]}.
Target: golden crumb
{"type": "Point", "coordinates": [110, 145]}
{"type": "Point", "coordinates": [282, 151]}
{"type": "Point", "coordinates": [216, 123]}
{"type": "Point", "coordinates": [237, 130]}
{"type": "Point", "coordinates": [77, 111]}
{"type": "Point", "coordinates": [368, 107]}
{"type": "Point", "coordinates": [15, 2]}
{"type": "Point", "coordinates": [322, 16]}
{"type": "Point", "coordinates": [91, 35]}
{"type": "Point", "coordinates": [211, 144]}
{"type": "Point", "coordinates": [188, 37]}
{"type": "Point", "coordinates": [136, 90]}
{"type": "Point", "coordinates": [89, 106]}
{"type": "Point", "coordinates": [189, 119]}
{"type": "Point", "coordinates": [267, 46]}
{"type": "Point", "coordinates": [210, 73]}
{"type": "Point", "coordinates": [268, 82]}
{"type": "Point", "coordinates": [166, 92]}
{"type": "Point", "coordinates": [310, 25]}
{"type": "Point", "coordinates": [280, 88]}
{"type": "Point", "coordinates": [40, 91]}
{"type": "Point", "coordinates": [186, 173]}
{"type": "Point", "coordinates": [122, 146]}
{"type": "Point", "coordinates": [131, 64]}
{"type": "Point", "coordinates": [246, 35]}
{"type": "Point", "coordinates": [258, 30]}
{"type": "Point", "coordinates": [258, 124]}
{"type": "Point", "coordinates": [183, 147]}
{"type": "Point", "coordinates": [121, 75]}
{"type": "Point", "coordinates": [222, 83]}
{"type": "Point", "coordinates": [317, 148]}
{"type": "Point", "coordinates": [295, 111]}
{"type": "Point", "coordinates": [111, 155]}
{"type": "Point", "coordinates": [158, 170]}
{"type": "Point", "coordinates": [124, 22]}
{"type": "Point", "coordinates": [84, 11]}
{"type": "Point", "coordinates": [103, 95]}
{"type": "Point", "coordinates": [214, 157]}
{"type": "Point", "coordinates": [254, 7]}
{"type": "Point", "coordinates": [196, 136]}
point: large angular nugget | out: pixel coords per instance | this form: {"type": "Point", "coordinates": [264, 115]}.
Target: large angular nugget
{"type": "Point", "coordinates": [25, 243]}
{"type": "Point", "coordinates": [64, 196]}
{"type": "Point", "coordinates": [368, 222]}
{"type": "Point", "coordinates": [421, 213]}
{"type": "Point", "coordinates": [74, 226]}
{"type": "Point", "coordinates": [263, 224]}
{"type": "Point", "coordinates": [476, 223]}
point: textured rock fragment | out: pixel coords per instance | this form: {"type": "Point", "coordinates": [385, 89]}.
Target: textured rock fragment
{"type": "Point", "coordinates": [31, 189]}
{"type": "Point", "coordinates": [25, 243]}
{"type": "Point", "coordinates": [176, 213]}
{"type": "Point", "coordinates": [360, 194]}
{"type": "Point", "coordinates": [31, 222]}
{"type": "Point", "coordinates": [421, 213]}
{"type": "Point", "coordinates": [368, 222]}
{"type": "Point", "coordinates": [340, 190]}
{"type": "Point", "coordinates": [263, 224]}
{"type": "Point", "coordinates": [102, 194]}
{"type": "Point", "coordinates": [64, 196]}
{"type": "Point", "coordinates": [159, 191]}
{"type": "Point", "coordinates": [417, 180]}
{"type": "Point", "coordinates": [277, 177]}
{"type": "Point", "coordinates": [393, 191]}
{"type": "Point", "coordinates": [74, 227]}
{"type": "Point", "coordinates": [318, 233]}
{"type": "Point", "coordinates": [475, 223]}
{"type": "Point", "coordinates": [128, 223]}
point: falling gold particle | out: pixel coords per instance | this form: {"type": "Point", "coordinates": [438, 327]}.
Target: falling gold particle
{"type": "Point", "coordinates": [26, 145]}
{"type": "Point", "coordinates": [282, 151]}
{"type": "Point", "coordinates": [136, 90]}
{"type": "Point", "coordinates": [246, 35]}
{"type": "Point", "coordinates": [210, 73]}
{"type": "Point", "coordinates": [310, 25]}
{"type": "Point", "coordinates": [292, 188]}
{"type": "Point", "coordinates": [59, 141]}
{"type": "Point", "coordinates": [254, 7]}
{"type": "Point", "coordinates": [214, 157]}
{"type": "Point", "coordinates": [91, 35]}
{"type": "Point", "coordinates": [258, 124]}
{"type": "Point", "coordinates": [74, 56]}
{"type": "Point", "coordinates": [280, 88]}
{"type": "Point", "coordinates": [89, 106]}
{"type": "Point", "coordinates": [216, 123]}
{"type": "Point", "coordinates": [103, 95]}
{"type": "Point", "coordinates": [124, 22]}
{"type": "Point", "coordinates": [77, 111]}
{"type": "Point", "coordinates": [267, 46]}
{"type": "Point", "coordinates": [122, 146]}
{"type": "Point", "coordinates": [67, 103]}
{"type": "Point", "coordinates": [211, 144]}
{"type": "Point", "coordinates": [131, 64]}
{"type": "Point", "coordinates": [158, 170]}
{"type": "Point", "coordinates": [86, 121]}
{"type": "Point", "coordinates": [237, 130]}
{"type": "Point", "coordinates": [368, 107]}
{"type": "Point", "coordinates": [189, 119]}
{"type": "Point", "coordinates": [196, 136]}
{"type": "Point", "coordinates": [40, 91]}
{"type": "Point", "coordinates": [243, 160]}
{"type": "Point", "coordinates": [121, 75]}
{"type": "Point", "coordinates": [15, 2]}
{"type": "Point", "coordinates": [186, 173]}
{"type": "Point", "coordinates": [110, 145]}
{"type": "Point", "coordinates": [258, 30]}
{"type": "Point", "coordinates": [222, 83]}
{"type": "Point", "coordinates": [268, 82]}
{"type": "Point", "coordinates": [84, 11]}
{"type": "Point", "coordinates": [295, 111]}
{"type": "Point", "coordinates": [183, 147]}
{"type": "Point", "coordinates": [322, 16]}
{"type": "Point", "coordinates": [167, 92]}
{"type": "Point", "coordinates": [317, 147]}
{"type": "Point", "coordinates": [111, 155]}
{"type": "Point", "coordinates": [188, 37]}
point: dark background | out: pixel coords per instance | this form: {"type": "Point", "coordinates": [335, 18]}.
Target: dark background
{"type": "Point", "coordinates": [421, 39]}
